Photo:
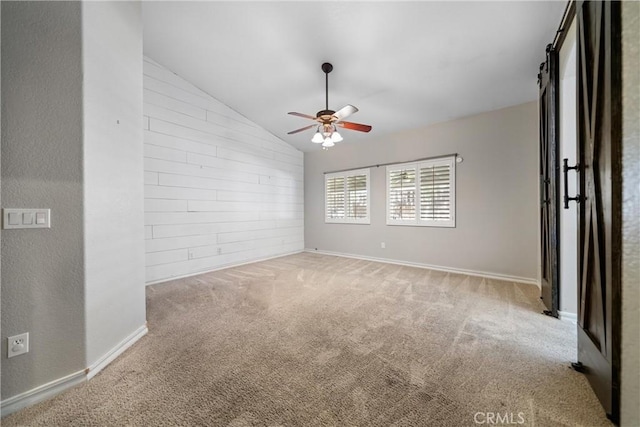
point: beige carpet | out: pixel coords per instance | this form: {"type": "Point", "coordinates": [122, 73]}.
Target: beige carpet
{"type": "Point", "coordinates": [313, 340]}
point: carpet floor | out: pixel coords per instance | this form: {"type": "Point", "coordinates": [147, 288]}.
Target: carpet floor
{"type": "Point", "coordinates": [316, 340]}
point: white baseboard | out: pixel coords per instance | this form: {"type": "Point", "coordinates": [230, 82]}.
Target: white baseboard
{"type": "Point", "coordinates": [223, 267]}
{"type": "Point", "coordinates": [487, 275]}
{"type": "Point", "coordinates": [48, 390]}
{"type": "Point", "coordinates": [116, 351]}
{"type": "Point", "coordinates": [567, 316]}
{"type": "Point", "coordinates": [41, 393]}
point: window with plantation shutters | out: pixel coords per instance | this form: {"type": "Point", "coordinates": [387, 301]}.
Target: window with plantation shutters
{"type": "Point", "coordinates": [422, 193]}
{"type": "Point", "coordinates": [347, 197]}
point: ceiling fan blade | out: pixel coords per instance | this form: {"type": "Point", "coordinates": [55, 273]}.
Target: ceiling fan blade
{"type": "Point", "coordinates": [301, 129]}
{"type": "Point", "coordinates": [354, 126]}
{"type": "Point", "coordinates": [306, 116]}
{"type": "Point", "coordinates": [344, 112]}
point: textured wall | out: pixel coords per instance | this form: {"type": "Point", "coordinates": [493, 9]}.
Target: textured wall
{"type": "Point", "coordinates": [2, 126]}
{"type": "Point", "coordinates": [72, 142]}
{"type": "Point", "coordinates": [568, 150]}
{"type": "Point", "coordinates": [496, 203]}
{"type": "Point", "coordinates": [219, 189]}
{"type": "Point", "coordinates": [113, 178]}
{"type": "Point", "coordinates": [630, 410]}
{"type": "Point", "coordinates": [42, 270]}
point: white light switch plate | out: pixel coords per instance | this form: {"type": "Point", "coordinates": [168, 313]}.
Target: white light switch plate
{"type": "Point", "coordinates": [26, 218]}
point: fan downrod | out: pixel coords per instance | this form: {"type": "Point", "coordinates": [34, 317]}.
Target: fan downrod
{"type": "Point", "coordinates": [327, 68]}
{"type": "Point", "coordinates": [327, 118]}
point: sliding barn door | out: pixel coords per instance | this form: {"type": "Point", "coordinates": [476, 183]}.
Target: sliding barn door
{"type": "Point", "coordinates": [599, 144]}
{"type": "Point", "coordinates": [549, 179]}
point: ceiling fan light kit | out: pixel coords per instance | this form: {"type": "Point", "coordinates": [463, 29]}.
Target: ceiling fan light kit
{"type": "Point", "coordinates": [326, 132]}
{"type": "Point", "coordinates": [336, 137]}
{"type": "Point", "coordinates": [317, 138]}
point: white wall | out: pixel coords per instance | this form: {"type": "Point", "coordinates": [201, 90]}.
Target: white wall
{"type": "Point", "coordinates": [42, 270]}
{"type": "Point", "coordinates": [630, 375]}
{"type": "Point", "coordinates": [0, 172]}
{"type": "Point", "coordinates": [568, 149]}
{"type": "Point", "coordinates": [219, 189]}
{"type": "Point", "coordinates": [75, 69]}
{"type": "Point", "coordinates": [496, 202]}
{"type": "Point", "coordinates": [113, 178]}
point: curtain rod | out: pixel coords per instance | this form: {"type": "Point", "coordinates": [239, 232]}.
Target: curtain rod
{"type": "Point", "coordinates": [395, 163]}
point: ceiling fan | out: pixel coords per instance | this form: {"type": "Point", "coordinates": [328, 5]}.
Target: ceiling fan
{"type": "Point", "coordinates": [329, 120]}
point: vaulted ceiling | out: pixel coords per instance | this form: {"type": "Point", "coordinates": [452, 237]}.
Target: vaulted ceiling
{"type": "Point", "coordinates": [405, 65]}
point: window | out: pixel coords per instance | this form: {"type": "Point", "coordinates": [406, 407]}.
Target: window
{"type": "Point", "coordinates": [422, 193]}
{"type": "Point", "coordinates": [347, 197]}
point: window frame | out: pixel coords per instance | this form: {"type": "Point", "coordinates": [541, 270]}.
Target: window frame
{"type": "Point", "coordinates": [346, 175]}
{"type": "Point", "coordinates": [417, 166]}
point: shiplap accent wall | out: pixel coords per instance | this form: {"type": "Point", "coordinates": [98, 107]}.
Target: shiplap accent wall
{"type": "Point", "coordinates": [219, 189]}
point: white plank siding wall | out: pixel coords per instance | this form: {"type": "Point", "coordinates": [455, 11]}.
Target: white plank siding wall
{"type": "Point", "coordinates": [219, 189]}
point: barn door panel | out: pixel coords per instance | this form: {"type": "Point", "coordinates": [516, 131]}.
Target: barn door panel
{"type": "Point", "coordinates": [549, 179]}
{"type": "Point", "coordinates": [599, 221]}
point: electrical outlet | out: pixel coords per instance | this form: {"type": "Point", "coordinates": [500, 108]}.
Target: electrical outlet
{"type": "Point", "coordinates": [18, 344]}
{"type": "Point", "coordinates": [219, 251]}
{"type": "Point", "coordinates": [383, 245]}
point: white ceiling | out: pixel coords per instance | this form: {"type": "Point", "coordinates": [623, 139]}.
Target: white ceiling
{"type": "Point", "coordinates": [405, 65]}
